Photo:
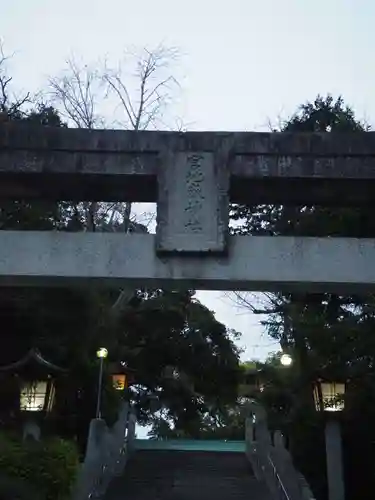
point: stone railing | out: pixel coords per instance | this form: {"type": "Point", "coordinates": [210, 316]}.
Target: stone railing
{"type": "Point", "coordinates": [106, 454]}
{"type": "Point", "coordinates": [272, 462]}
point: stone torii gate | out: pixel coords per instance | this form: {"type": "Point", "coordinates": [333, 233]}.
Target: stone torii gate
{"type": "Point", "coordinates": [192, 176]}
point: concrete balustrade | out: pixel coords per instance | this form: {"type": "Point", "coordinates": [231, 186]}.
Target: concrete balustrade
{"type": "Point", "coordinates": [107, 452]}
{"type": "Point", "coordinates": [272, 462]}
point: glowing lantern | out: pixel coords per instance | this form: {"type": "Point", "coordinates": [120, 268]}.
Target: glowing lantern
{"type": "Point", "coordinates": [119, 381]}
{"type": "Point", "coordinates": [329, 396]}
{"type": "Point", "coordinates": [37, 395]}
{"type": "Point", "coordinates": [35, 381]}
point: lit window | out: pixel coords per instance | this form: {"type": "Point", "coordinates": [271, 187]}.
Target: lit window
{"type": "Point", "coordinates": [33, 396]}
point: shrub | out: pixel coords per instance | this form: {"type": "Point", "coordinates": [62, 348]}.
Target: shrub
{"type": "Point", "coordinates": [12, 488]}
{"type": "Point", "coordinates": [49, 466]}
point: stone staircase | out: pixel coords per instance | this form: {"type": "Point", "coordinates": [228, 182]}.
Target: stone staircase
{"type": "Point", "coordinates": [172, 474]}
{"type": "Point", "coordinates": [117, 466]}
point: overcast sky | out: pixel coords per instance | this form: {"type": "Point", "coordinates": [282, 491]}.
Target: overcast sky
{"type": "Point", "coordinates": [244, 62]}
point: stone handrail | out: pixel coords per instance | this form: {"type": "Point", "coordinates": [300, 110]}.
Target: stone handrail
{"type": "Point", "coordinates": [272, 462]}
{"type": "Point", "coordinates": [106, 454]}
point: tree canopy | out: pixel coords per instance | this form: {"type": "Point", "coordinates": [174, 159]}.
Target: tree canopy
{"type": "Point", "coordinates": [328, 335]}
{"type": "Point", "coordinates": [185, 362]}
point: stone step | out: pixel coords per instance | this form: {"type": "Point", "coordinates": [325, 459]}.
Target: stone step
{"type": "Point", "coordinates": [187, 475]}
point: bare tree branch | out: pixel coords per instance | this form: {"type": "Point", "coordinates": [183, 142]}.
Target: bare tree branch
{"type": "Point", "coordinates": [141, 95]}
{"type": "Point", "coordinates": [255, 303]}
{"type": "Point", "coordinates": [145, 93]}
{"type": "Point", "coordinates": [77, 91]}
{"type": "Point", "coordinates": [4, 79]}
{"type": "Point", "coordinates": [10, 104]}
{"type": "Point", "coordinates": [117, 86]}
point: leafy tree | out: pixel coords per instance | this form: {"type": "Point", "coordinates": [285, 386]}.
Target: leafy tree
{"type": "Point", "coordinates": [329, 334]}
{"type": "Point", "coordinates": [185, 361]}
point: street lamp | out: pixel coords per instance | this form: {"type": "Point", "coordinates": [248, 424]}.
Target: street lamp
{"type": "Point", "coordinates": [286, 359]}
{"type": "Point", "coordinates": [101, 353]}
{"type": "Point", "coordinates": [329, 401]}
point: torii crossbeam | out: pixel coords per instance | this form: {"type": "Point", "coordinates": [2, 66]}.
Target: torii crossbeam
{"type": "Point", "coordinates": [192, 176]}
